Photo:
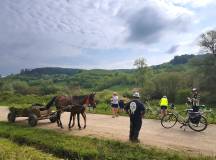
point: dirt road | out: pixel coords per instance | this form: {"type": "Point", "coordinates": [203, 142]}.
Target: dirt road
{"type": "Point", "coordinates": [152, 133]}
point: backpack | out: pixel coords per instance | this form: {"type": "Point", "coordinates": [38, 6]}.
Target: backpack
{"type": "Point", "coordinates": [194, 117]}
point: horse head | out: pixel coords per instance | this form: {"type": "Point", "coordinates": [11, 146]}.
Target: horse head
{"type": "Point", "coordinates": [91, 99]}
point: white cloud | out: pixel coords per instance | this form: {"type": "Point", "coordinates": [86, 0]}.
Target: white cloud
{"type": "Point", "coordinates": [192, 3]}
{"type": "Point", "coordinates": [54, 32]}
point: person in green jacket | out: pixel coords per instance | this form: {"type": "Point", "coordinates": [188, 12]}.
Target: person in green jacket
{"type": "Point", "coordinates": [164, 104]}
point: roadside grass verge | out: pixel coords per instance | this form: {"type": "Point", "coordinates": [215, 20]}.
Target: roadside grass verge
{"type": "Point", "coordinates": [104, 108]}
{"type": "Point", "coordinates": [11, 151]}
{"type": "Point", "coordinates": [74, 147]}
{"type": "Point", "coordinates": [20, 101]}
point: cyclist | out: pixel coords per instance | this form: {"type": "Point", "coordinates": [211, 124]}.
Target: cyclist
{"type": "Point", "coordinates": [164, 104]}
{"type": "Point", "coordinates": [136, 110]}
{"type": "Point", "coordinates": [195, 99]}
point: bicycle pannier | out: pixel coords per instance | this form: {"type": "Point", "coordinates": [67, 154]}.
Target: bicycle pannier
{"type": "Point", "coordinates": [194, 117]}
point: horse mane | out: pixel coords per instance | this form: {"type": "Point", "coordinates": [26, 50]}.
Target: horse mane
{"type": "Point", "coordinates": [80, 98]}
{"type": "Point", "coordinates": [50, 103]}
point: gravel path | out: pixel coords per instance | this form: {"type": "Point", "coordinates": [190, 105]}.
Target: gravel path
{"type": "Point", "coordinates": [152, 133]}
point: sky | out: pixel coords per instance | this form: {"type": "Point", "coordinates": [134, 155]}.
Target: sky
{"type": "Point", "coordinates": [106, 34]}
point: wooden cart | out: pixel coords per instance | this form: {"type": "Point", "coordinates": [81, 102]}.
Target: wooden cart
{"type": "Point", "coordinates": [34, 113]}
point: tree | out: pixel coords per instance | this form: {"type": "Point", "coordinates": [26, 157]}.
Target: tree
{"type": "Point", "coordinates": [141, 72]}
{"type": "Point", "coordinates": [206, 67]}
{"type": "Point", "coordinates": [167, 84]}
{"type": "Point", "coordinates": [48, 89]}
{"type": "Point", "coordinates": [21, 87]}
{"type": "Point", "coordinates": [208, 42]}
{"type": "Point", "coordinates": [208, 78]}
{"type": "Point", "coordinates": [1, 86]}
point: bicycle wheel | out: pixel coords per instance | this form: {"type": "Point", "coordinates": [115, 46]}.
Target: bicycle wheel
{"type": "Point", "coordinates": [169, 120]}
{"type": "Point", "coordinates": [201, 126]}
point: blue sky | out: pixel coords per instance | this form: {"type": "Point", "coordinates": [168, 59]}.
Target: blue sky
{"type": "Point", "coordinates": [105, 34]}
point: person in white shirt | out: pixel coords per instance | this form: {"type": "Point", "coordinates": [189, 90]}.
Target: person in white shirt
{"type": "Point", "coordinates": [114, 102]}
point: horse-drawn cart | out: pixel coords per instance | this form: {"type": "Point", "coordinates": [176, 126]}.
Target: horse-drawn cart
{"type": "Point", "coordinates": [34, 113]}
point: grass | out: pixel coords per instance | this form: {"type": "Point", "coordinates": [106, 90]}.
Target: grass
{"type": "Point", "coordinates": [20, 101]}
{"type": "Point", "coordinates": [73, 147]}
{"type": "Point", "coordinates": [154, 112]}
{"type": "Point", "coordinates": [11, 151]}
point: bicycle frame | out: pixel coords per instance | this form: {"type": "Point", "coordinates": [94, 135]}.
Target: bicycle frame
{"type": "Point", "coordinates": [180, 118]}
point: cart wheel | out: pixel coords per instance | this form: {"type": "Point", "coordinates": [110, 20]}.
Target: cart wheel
{"type": "Point", "coordinates": [32, 120]}
{"type": "Point", "coordinates": [11, 117]}
{"type": "Point", "coordinates": [53, 118]}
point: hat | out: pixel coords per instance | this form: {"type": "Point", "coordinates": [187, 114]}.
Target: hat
{"type": "Point", "coordinates": [164, 96]}
{"type": "Point", "coordinates": [136, 94]}
{"type": "Point", "coordinates": [115, 93]}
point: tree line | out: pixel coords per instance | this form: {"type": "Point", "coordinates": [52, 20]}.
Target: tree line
{"type": "Point", "coordinates": [174, 79]}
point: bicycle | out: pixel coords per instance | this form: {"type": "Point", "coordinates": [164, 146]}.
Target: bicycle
{"type": "Point", "coordinates": [195, 120]}
{"type": "Point", "coordinates": [209, 114]}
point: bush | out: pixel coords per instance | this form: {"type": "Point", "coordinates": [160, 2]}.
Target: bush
{"type": "Point", "coordinates": [6, 87]}
{"type": "Point", "coordinates": [10, 99]}
{"type": "Point", "coordinates": [21, 87]}
{"type": "Point", "coordinates": [181, 96]}
{"type": "Point", "coordinates": [48, 89]}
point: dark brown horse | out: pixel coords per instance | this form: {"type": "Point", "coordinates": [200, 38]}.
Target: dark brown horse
{"type": "Point", "coordinates": [74, 105]}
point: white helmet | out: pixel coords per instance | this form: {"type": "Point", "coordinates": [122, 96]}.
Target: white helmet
{"type": "Point", "coordinates": [136, 94]}
{"type": "Point", "coordinates": [194, 89]}
{"type": "Point", "coordinates": [164, 96]}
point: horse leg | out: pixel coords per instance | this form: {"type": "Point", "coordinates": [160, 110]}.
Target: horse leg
{"type": "Point", "coordinates": [69, 125]}
{"type": "Point", "coordinates": [78, 119]}
{"type": "Point", "coordinates": [84, 117]}
{"type": "Point", "coordinates": [60, 121]}
{"type": "Point", "coordinates": [74, 116]}
{"type": "Point", "coordinates": [58, 115]}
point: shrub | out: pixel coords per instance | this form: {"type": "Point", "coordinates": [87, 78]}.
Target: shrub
{"type": "Point", "coordinates": [20, 87]}
{"type": "Point", "coordinates": [182, 95]}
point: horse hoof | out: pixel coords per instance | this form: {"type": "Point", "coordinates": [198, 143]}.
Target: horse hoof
{"type": "Point", "coordinates": [84, 127]}
{"type": "Point", "coordinates": [80, 128]}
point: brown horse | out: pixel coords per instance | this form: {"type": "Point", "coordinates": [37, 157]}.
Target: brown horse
{"type": "Point", "coordinates": [73, 104]}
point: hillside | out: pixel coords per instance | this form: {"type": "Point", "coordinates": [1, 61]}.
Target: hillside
{"type": "Point", "coordinates": [177, 60]}
{"type": "Point", "coordinates": [174, 78]}
{"type": "Point", "coordinates": [96, 79]}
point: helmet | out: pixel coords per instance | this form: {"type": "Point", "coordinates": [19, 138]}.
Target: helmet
{"type": "Point", "coordinates": [194, 89]}
{"type": "Point", "coordinates": [136, 94]}
{"type": "Point", "coordinates": [164, 96]}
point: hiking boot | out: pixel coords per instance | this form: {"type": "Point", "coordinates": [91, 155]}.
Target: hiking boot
{"type": "Point", "coordinates": [136, 141]}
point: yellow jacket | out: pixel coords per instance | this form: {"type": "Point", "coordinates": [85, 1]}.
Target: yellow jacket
{"type": "Point", "coordinates": [164, 102]}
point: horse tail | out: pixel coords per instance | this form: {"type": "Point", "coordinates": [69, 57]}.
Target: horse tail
{"type": "Point", "coordinates": [50, 103]}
